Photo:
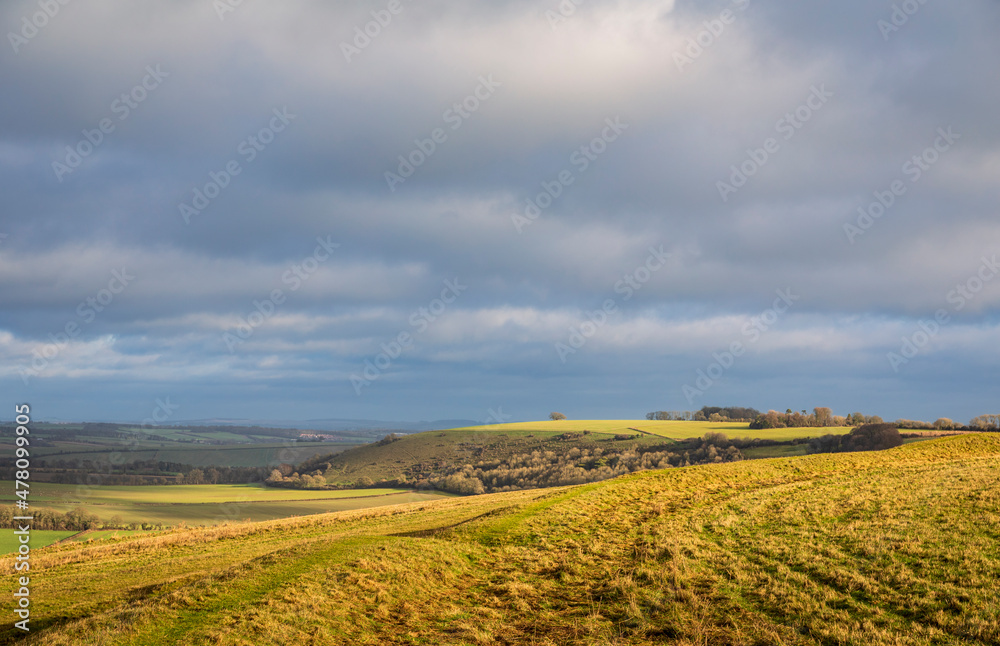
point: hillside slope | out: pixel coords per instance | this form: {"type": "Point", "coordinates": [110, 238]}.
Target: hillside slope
{"type": "Point", "coordinates": [422, 459]}
{"type": "Point", "coordinates": [897, 547]}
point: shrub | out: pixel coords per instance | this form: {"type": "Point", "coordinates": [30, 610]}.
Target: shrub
{"type": "Point", "coordinates": [867, 437]}
{"type": "Point", "coordinates": [873, 437]}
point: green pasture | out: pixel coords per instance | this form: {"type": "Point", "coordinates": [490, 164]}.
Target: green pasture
{"type": "Point", "coordinates": [10, 542]}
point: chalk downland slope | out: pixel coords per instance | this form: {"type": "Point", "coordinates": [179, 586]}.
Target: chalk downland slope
{"type": "Point", "coordinates": [897, 547]}
{"type": "Point", "coordinates": [423, 455]}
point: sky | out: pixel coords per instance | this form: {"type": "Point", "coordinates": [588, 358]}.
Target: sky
{"type": "Point", "coordinates": [491, 210]}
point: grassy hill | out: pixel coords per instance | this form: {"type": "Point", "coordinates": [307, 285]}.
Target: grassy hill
{"type": "Point", "coordinates": [423, 456]}
{"type": "Point", "coordinates": [896, 547]}
{"type": "Point", "coordinates": [675, 430]}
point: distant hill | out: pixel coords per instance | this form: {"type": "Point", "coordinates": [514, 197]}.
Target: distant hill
{"type": "Point", "coordinates": [502, 457]}
{"type": "Point", "coordinates": [333, 424]}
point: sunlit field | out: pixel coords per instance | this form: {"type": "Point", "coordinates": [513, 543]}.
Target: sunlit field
{"type": "Point", "coordinates": [677, 430]}
{"type": "Point", "coordinates": [894, 547]}
{"type": "Point", "coordinates": [171, 505]}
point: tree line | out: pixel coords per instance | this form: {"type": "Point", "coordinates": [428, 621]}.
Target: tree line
{"type": "Point", "coordinates": [78, 519]}
{"type": "Point", "coordinates": [707, 414]}
{"type": "Point", "coordinates": [820, 417]}
{"type": "Point", "coordinates": [139, 472]}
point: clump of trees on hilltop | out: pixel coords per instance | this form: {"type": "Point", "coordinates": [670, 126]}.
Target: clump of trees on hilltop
{"type": "Point", "coordinates": [820, 417]}
{"type": "Point", "coordinates": [707, 414]}
{"type": "Point", "coordinates": [985, 423]}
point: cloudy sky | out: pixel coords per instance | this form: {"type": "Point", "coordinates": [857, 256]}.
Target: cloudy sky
{"type": "Point", "coordinates": [422, 209]}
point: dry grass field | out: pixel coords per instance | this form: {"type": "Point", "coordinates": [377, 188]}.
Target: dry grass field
{"type": "Point", "coordinates": [674, 430]}
{"type": "Point", "coordinates": [896, 547]}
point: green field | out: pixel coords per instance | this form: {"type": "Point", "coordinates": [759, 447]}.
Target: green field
{"type": "Point", "coordinates": [895, 547]}
{"type": "Point", "coordinates": [676, 430]}
{"type": "Point", "coordinates": [39, 538]}
{"type": "Point", "coordinates": [172, 505]}
{"type": "Point", "coordinates": [44, 537]}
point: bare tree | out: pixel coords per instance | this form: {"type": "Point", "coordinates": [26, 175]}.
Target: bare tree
{"type": "Point", "coordinates": [824, 416]}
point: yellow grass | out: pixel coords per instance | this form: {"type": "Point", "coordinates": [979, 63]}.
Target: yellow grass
{"type": "Point", "coordinates": [897, 548]}
{"type": "Point", "coordinates": [677, 430]}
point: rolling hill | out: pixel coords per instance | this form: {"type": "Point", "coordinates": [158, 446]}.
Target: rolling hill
{"type": "Point", "coordinates": [424, 458]}
{"type": "Point", "coordinates": [894, 547]}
